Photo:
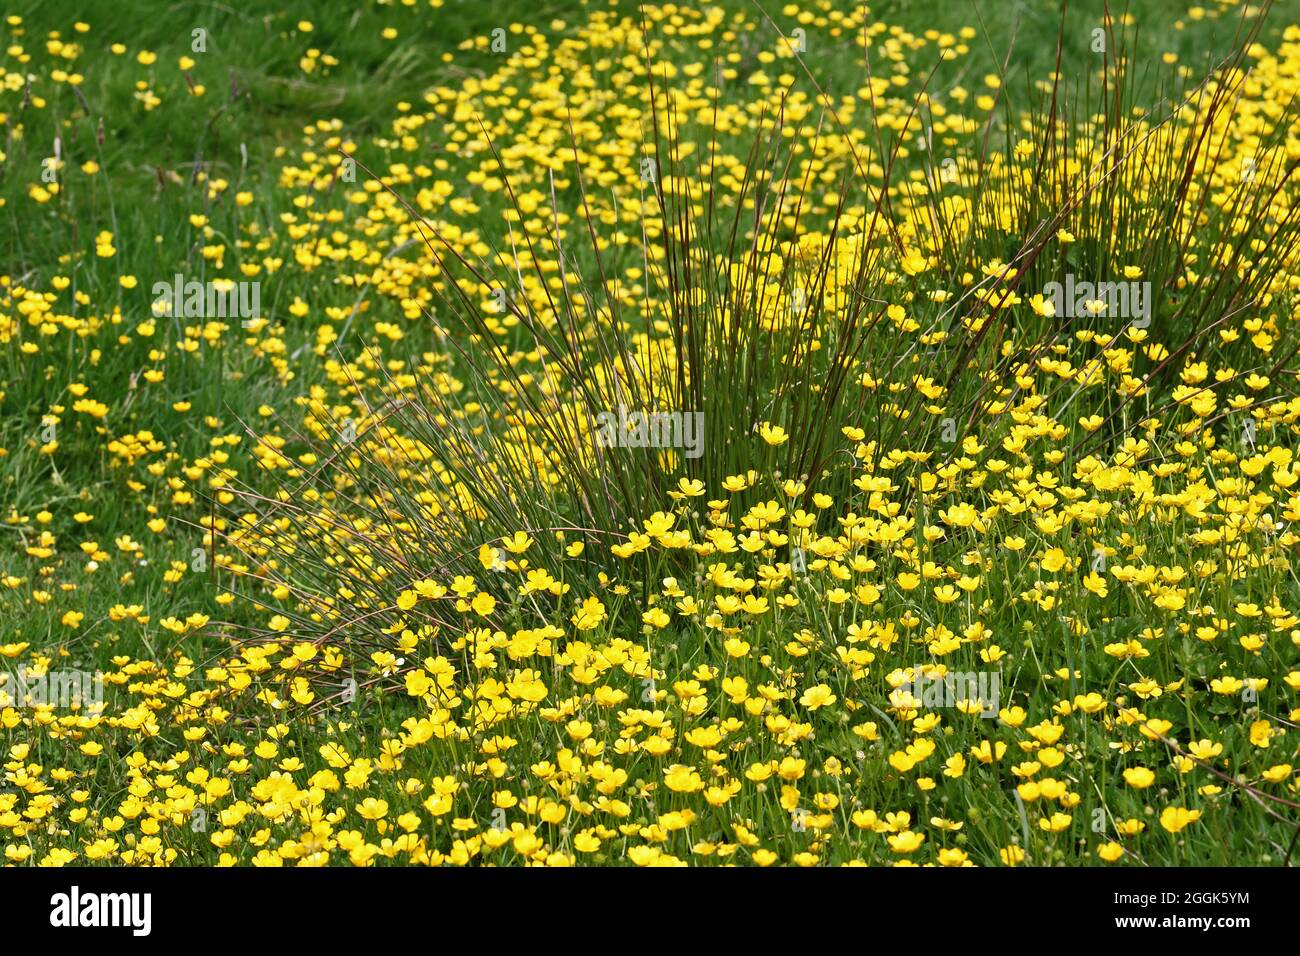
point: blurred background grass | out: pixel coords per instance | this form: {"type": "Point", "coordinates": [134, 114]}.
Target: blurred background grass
{"type": "Point", "coordinates": [259, 97]}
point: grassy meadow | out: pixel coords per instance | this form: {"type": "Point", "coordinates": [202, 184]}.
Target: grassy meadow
{"type": "Point", "coordinates": [580, 433]}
